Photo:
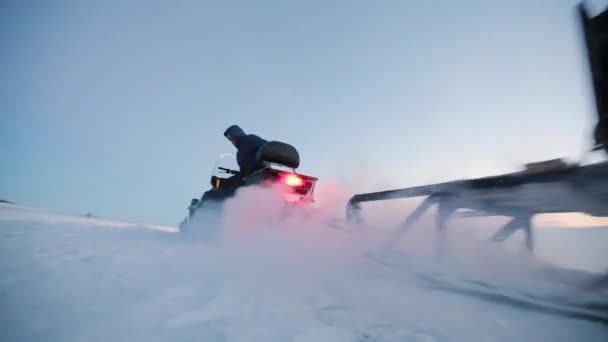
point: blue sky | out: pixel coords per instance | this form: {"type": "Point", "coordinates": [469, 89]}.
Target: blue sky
{"type": "Point", "coordinates": [118, 107]}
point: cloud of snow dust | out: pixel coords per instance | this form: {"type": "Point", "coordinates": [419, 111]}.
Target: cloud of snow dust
{"type": "Point", "coordinates": [263, 240]}
{"type": "Point", "coordinates": [260, 241]}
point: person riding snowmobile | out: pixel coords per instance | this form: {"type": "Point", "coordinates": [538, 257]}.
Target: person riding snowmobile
{"type": "Point", "coordinates": [247, 146]}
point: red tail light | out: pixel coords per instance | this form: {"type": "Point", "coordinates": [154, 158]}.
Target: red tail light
{"type": "Point", "coordinates": [293, 180]}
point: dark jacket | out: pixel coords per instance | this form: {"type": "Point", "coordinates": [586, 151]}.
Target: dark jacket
{"type": "Point", "coordinates": [247, 149]}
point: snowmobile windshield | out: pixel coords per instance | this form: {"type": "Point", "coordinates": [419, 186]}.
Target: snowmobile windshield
{"type": "Point", "coordinates": [225, 161]}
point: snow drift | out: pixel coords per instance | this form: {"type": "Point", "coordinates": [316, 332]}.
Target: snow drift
{"type": "Point", "coordinates": [259, 279]}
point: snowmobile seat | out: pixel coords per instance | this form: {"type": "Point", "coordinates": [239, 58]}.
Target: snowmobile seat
{"type": "Point", "coordinates": [277, 152]}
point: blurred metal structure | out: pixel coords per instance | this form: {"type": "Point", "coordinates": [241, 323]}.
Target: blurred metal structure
{"type": "Point", "coordinates": [595, 33]}
{"type": "Point", "coordinates": [551, 186]}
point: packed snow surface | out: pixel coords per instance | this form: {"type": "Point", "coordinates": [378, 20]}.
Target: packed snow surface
{"type": "Point", "coordinates": [251, 277]}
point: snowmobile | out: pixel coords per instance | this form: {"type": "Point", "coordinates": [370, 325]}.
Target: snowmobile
{"type": "Point", "coordinates": [280, 161]}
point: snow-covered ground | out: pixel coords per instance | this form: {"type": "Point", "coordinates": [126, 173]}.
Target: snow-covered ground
{"type": "Point", "coordinates": [68, 278]}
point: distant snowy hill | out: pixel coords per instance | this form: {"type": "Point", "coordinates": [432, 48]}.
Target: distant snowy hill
{"type": "Point", "coordinates": [66, 278]}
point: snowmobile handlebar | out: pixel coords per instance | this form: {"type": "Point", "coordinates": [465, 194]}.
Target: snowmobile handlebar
{"type": "Point", "coordinates": [232, 172]}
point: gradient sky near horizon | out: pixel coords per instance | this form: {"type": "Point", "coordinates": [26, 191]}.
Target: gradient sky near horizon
{"type": "Point", "coordinates": [118, 107]}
